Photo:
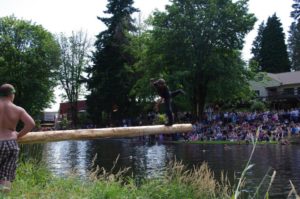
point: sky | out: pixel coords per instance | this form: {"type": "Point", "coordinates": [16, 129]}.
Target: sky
{"type": "Point", "coordinates": [73, 15]}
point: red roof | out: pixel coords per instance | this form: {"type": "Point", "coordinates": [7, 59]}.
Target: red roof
{"type": "Point", "coordinates": [65, 107]}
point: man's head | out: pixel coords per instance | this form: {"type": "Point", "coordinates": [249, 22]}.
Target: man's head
{"type": "Point", "coordinates": [7, 90]}
{"type": "Point", "coordinates": [160, 82]}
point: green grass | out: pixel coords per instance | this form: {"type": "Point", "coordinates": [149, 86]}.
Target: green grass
{"type": "Point", "coordinates": [36, 181]}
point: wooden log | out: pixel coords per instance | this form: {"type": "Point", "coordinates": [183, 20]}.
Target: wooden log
{"type": "Point", "coordinates": [118, 132]}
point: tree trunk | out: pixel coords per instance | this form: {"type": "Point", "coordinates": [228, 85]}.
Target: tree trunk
{"type": "Point", "coordinates": [120, 132]}
{"type": "Point", "coordinates": [74, 114]}
{"type": "Point", "coordinates": [200, 97]}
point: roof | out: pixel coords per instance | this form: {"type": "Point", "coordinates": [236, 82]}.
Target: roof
{"type": "Point", "coordinates": [286, 78]}
{"type": "Point", "coordinates": [265, 80]}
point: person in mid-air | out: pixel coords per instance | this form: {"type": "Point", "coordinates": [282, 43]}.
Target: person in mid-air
{"type": "Point", "coordinates": [166, 97]}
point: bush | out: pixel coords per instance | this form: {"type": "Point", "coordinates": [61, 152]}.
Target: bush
{"type": "Point", "coordinates": [258, 106]}
{"type": "Point", "coordinates": [160, 119]}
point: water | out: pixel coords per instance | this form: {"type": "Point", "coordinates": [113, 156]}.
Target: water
{"type": "Point", "coordinates": [150, 160]}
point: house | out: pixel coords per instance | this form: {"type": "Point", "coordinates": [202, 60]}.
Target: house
{"type": "Point", "coordinates": [282, 90]}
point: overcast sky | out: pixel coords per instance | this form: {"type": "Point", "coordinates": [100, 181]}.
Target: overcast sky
{"type": "Point", "coordinates": [73, 15]}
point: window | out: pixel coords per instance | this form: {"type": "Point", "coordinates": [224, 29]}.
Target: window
{"type": "Point", "coordinates": [272, 91]}
{"type": "Point", "coordinates": [288, 91]}
{"type": "Point", "coordinates": [257, 92]}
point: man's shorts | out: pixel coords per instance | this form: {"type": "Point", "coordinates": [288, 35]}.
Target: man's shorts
{"type": "Point", "coordinates": [9, 151]}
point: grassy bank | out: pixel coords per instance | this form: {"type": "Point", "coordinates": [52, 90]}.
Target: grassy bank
{"type": "Point", "coordinates": [228, 142]}
{"type": "Point", "coordinates": [35, 181]}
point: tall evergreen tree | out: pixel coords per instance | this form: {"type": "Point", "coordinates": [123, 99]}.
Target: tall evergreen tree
{"type": "Point", "coordinates": [274, 55]}
{"type": "Point", "coordinates": [256, 48]}
{"type": "Point", "coordinates": [294, 37]}
{"type": "Point", "coordinates": [109, 79]}
{"type": "Point", "coordinates": [294, 45]}
{"type": "Point", "coordinates": [296, 12]}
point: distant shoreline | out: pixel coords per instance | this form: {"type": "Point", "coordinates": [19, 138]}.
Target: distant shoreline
{"type": "Point", "coordinates": [214, 142]}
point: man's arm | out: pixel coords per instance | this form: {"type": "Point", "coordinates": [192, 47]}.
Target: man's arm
{"type": "Point", "coordinates": [28, 123]}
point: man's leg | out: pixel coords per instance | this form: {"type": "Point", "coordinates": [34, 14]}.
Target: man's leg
{"type": "Point", "coordinates": [8, 165]}
{"type": "Point", "coordinates": [5, 186]}
{"type": "Point", "coordinates": [169, 112]}
{"type": "Point", "coordinates": [176, 92]}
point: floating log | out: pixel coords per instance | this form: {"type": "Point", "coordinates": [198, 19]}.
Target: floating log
{"type": "Point", "coordinates": [87, 134]}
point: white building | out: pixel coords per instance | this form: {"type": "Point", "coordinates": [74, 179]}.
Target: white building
{"type": "Point", "coordinates": [278, 88]}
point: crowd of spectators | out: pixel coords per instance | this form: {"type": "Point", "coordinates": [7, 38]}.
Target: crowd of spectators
{"type": "Point", "coordinates": [237, 126]}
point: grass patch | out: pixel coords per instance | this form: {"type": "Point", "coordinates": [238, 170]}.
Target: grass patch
{"type": "Point", "coordinates": [35, 181]}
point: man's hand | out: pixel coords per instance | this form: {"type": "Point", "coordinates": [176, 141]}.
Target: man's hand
{"type": "Point", "coordinates": [160, 101]}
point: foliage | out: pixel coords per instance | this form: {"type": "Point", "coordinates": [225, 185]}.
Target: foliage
{"type": "Point", "coordinates": [110, 77]}
{"type": "Point", "coordinates": [273, 50]}
{"type": "Point", "coordinates": [35, 181]}
{"type": "Point", "coordinates": [64, 123]}
{"type": "Point", "coordinates": [191, 46]}
{"type": "Point", "coordinates": [160, 119]}
{"type": "Point", "coordinates": [296, 9]}
{"type": "Point", "coordinates": [294, 37]}
{"type": "Point", "coordinates": [256, 60]}
{"type": "Point", "coordinates": [294, 45]}
{"type": "Point", "coordinates": [29, 58]}
{"type": "Point", "coordinates": [258, 106]}
{"type": "Point", "coordinates": [83, 119]}
{"type": "Point", "coordinates": [74, 60]}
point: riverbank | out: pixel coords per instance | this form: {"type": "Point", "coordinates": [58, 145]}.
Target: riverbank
{"type": "Point", "coordinates": [221, 142]}
{"type": "Point", "coordinates": [36, 181]}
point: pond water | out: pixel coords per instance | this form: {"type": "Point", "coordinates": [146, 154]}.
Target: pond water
{"type": "Point", "coordinates": [148, 160]}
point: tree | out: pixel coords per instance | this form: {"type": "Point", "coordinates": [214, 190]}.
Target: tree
{"type": "Point", "coordinates": [256, 60]}
{"type": "Point", "coordinates": [294, 45]}
{"type": "Point", "coordinates": [273, 53]}
{"type": "Point", "coordinates": [110, 77]}
{"type": "Point", "coordinates": [296, 12]}
{"type": "Point", "coordinates": [294, 37]}
{"type": "Point", "coordinates": [29, 58]}
{"type": "Point", "coordinates": [196, 45]}
{"type": "Point", "coordinates": [74, 60]}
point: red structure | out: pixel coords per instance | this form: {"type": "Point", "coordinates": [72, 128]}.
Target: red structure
{"type": "Point", "coordinates": [65, 108]}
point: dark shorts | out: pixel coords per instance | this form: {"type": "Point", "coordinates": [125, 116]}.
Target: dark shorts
{"type": "Point", "coordinates": [9, 151]}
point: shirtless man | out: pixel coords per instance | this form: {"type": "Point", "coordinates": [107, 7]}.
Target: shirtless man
{"type": "Point", "coordinates": [10, 115]}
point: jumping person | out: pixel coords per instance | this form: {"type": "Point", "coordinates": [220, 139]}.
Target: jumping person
{"type": "Point", "coordinates": [10, 115]}
{"type": "Point", "coordinates": [166, 96]}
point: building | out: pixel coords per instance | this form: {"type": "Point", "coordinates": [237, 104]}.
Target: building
{"type": "Point", "coordinates": [47, 120]}
{"type": "Point", "coordinates": [65, 108]}
{"type": "Point", "coordinates": [282, 90]}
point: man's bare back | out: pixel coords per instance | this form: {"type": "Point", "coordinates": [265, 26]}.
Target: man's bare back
{"type": "Point", "coordinates": [10, 115]}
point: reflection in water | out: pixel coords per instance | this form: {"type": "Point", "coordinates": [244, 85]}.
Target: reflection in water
{"type": "Point", "coordinates": [150, 160]}
{"type": "Point", "coordinates": [66, 157]}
